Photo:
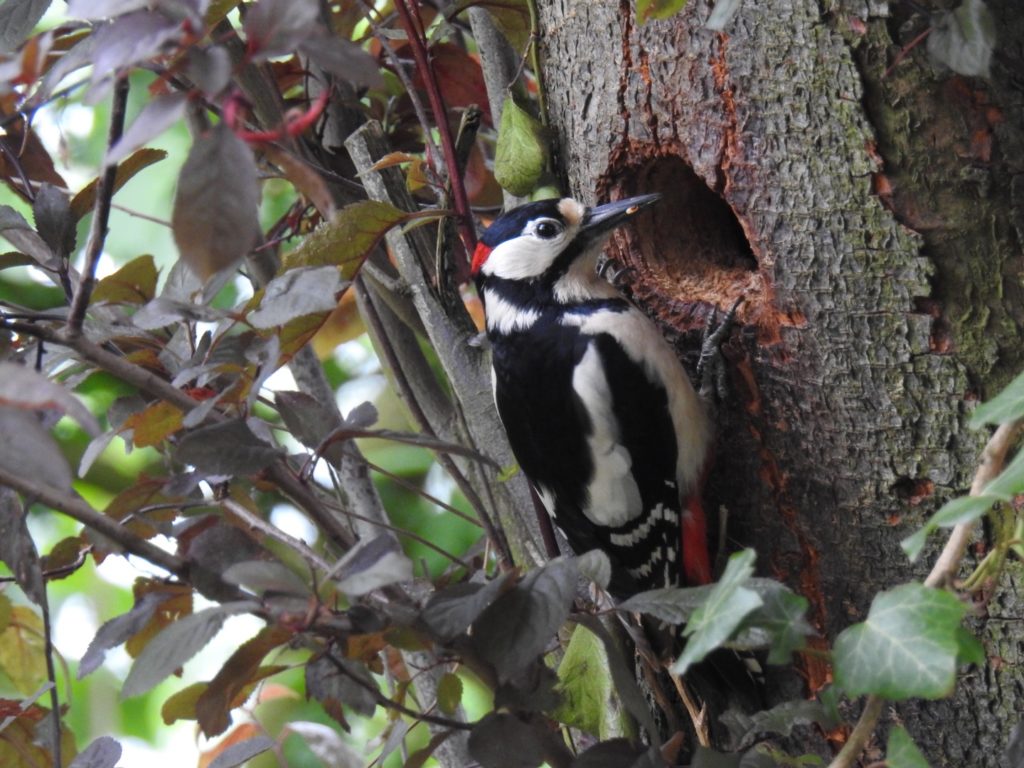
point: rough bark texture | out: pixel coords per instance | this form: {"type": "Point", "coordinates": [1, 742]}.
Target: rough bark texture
{"type": "Point", "coordinates": [873, 225]}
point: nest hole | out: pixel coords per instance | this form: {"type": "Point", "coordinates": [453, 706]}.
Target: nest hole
{"type": "Point", "coordinates": [690, 246]}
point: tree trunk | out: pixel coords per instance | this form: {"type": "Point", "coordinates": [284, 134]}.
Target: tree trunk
{"type": "Point", "coordinates": [873, 225]}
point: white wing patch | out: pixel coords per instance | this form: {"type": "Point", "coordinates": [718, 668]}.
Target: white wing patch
{"type": "Point", "coordinates": [640, 339]}
{"type": "Point", "coordinates": [613, 497]}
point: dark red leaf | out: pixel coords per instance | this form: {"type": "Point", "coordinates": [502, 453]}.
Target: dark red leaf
{"type": "Point", "coordinates": [215, 217]}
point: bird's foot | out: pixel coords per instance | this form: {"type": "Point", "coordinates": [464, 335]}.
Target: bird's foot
{"type": "Point", "coordinates": [614, 272]}
{"type": "Point", "coordinates": [711, 365]}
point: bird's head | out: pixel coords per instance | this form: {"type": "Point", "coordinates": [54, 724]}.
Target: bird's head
{"type": "Point", "coordinates": [541, 241]}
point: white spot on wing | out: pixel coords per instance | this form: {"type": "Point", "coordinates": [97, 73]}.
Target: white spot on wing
{"type": "Point", "coordinates": [640, 339]}
{"type": "Point", "coordinates": [613, 497]}
{"type": "Point", "coordinates": [547, 498]}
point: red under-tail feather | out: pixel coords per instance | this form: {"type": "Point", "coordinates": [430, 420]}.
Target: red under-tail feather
{"type": "Point", "coordinates": [696, 558]}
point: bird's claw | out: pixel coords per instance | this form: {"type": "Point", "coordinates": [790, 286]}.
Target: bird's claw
{"type": "Point", "coordinates": [613, 271]}
{"type": "Point", "coordinates": [711, 365]}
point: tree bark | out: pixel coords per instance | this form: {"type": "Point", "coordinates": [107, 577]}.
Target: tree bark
{"type": "Point", "coordinates": [872, 222]}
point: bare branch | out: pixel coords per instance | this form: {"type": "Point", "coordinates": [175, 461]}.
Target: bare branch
{"type": "Point", "coordinates": [101, 212]}
{"type": "Point", "coordinates": [83, 513]}
{"type": "Point", "coordinates": [417, 41]}
{"type": "Point", "coordinates": [993, 459]}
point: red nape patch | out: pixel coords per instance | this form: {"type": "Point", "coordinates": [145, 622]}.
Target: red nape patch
{"type": "Point", "coordinates": [479, 257]}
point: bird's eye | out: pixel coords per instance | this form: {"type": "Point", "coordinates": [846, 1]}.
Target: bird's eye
{"type": "Point", "coordinates": [548, 229]}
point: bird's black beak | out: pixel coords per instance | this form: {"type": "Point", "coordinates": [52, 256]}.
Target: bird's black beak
{"type": "Point", "coordinates": [604, 218]}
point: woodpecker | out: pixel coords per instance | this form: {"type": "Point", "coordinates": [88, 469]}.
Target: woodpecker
{"type": "Point", "coordinates": [600, 414]}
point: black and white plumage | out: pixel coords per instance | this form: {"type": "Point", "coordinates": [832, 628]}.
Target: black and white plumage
{"type": "Point", "coordinates": [600, 414]}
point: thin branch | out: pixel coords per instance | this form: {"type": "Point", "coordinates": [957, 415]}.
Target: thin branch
{"type": "Point", "coordinates": [993, 459]}
{"type": "Point", "coordinates": [279, 472]}
{"type": "Point", "coordinates": [861, 733]}
{"type": "Point", "coordinates": [51, 676]}
{"type": "Point", "coordinates": [297, 545]}
{"type": "Point", "coordinates": [101, 213]}
{"type": "Point", "coordinates": [419, 51]}
{"type": "Point", "coordinates": [538, 72]}
{"type": "Point", "coordinates": [140, 215]}
{"type": "Point", "coordinates": [433, 154]}
{"type": "Point", "coordinates": [387, 703]}
{"type": "Point", "coordinates": [15, 163]}
{"type": "Point", "coordinates": [83, 513]}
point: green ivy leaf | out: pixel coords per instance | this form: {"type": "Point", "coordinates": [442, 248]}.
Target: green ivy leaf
{"type": "Point", "coordinates": [673, 605]}
{"type": "Point", "coordinates": [729, 603]}
{"type": "Point", "coordinates": [907, 648]}
{"type": "Point", "coordinates": [1006, 406]}
{"type": "Point", "coordinates": [902, 752]}
{"type": "Point", "coordinates": [521, 154]}
{"type": "Point", "coordinates": [969, 648]}
{"type": "Point", "coordinates": [780, 719]}
{"type": "Point", "coordinates": [782, 617]}
{"type": "Point", "coordinates": [963, 39]}
{"type": "Point", "coordinates": [953, 512]}
{"type": "Point", "coordinates": [1010, 481]}
{"type": "Point", "coordinates": [646, 10]}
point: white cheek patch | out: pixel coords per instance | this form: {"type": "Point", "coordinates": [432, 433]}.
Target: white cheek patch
{"type": "Point", "coordinates": [527, 256]}
{"type": "Point", "coordinates": [613, 497]}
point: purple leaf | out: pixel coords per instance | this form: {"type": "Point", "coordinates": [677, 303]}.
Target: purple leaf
{"type": "Point", "coordinates": [95, 10]}
{"type": "Point", "coordinates": [229, 448]}
{"type": "Point", "coordinates": [20, 234]}
{"type": "Point", "coordinates": [241, 751]}
{"type": "Point", "coordinates": [209, 68]}
{"type": "Point", "coordinates": [155, 118]}
{"type": "Point", "coordinates": [23, 388]}
{"type": "Point", "coordinates": [372, 564]}
{"type": "Point", "coordinates": [278, 27]}
{"type": "Point", "coordinates": [118, 630]}
{"type": "Point", "coordinates": [127, 40]}
{"type": "Point", "coordinates": [103, 752]}
{"type": "Point", "coordinates": [17, 548]}
{"type": "Point", "coordinates": [17, 20]}
{"type": "Point", "coordinates": [176, 644]}
{"type": "Point", "coordinates": [344, 59]}
{"type": "Point", "coordinates": [334, 679]}
{"type": "Point", "coordinates": [297, 293]}
{"type": "Point", "coordinates": [54, 220]}
{"type": "Point", "coordinates": [215, 217]}
{"type": "Point", "coordinates": [518, 626]}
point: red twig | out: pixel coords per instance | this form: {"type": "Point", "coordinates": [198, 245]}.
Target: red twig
{"type": "Point", "coordinates": [418, 44]}
{"type": "Point", "coordinates": [295, 122]}
{"type": "Point", "coordinates": [906, 50]}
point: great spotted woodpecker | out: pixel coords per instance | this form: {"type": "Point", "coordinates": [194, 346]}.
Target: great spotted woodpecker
{"type": "Point", "coordinates": [600, 414]}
